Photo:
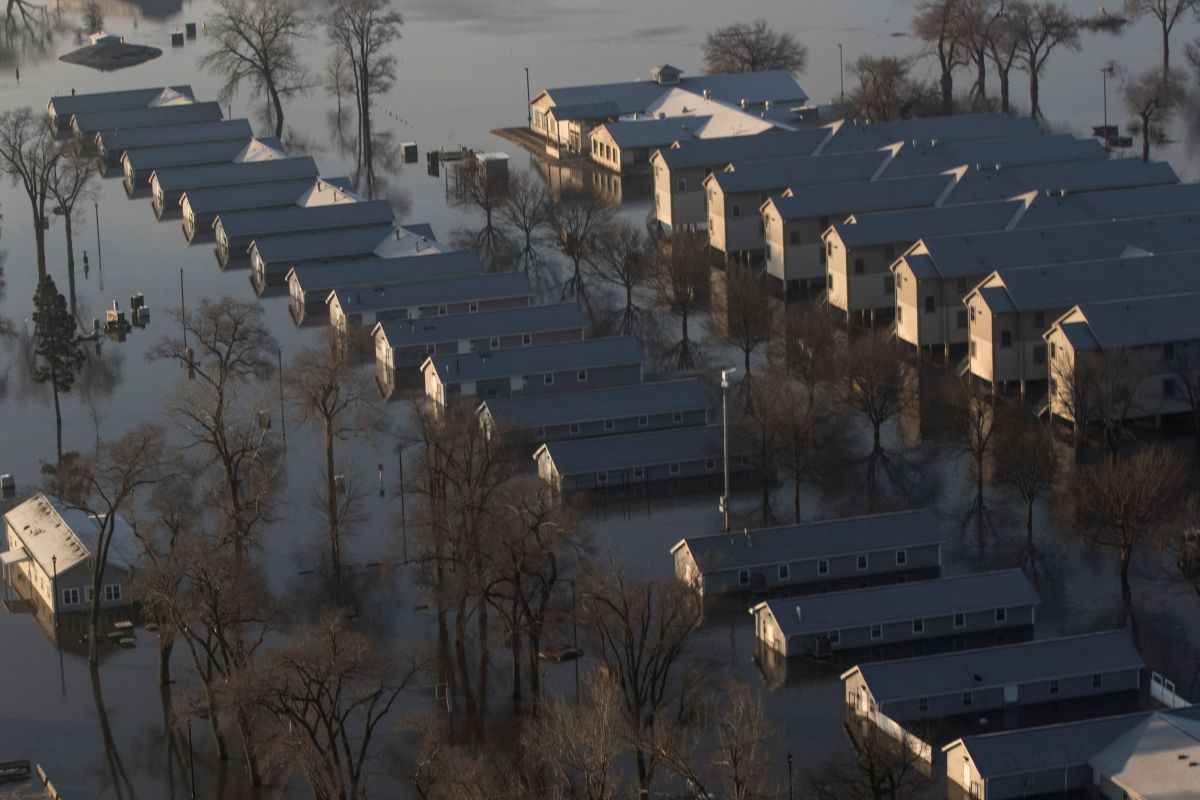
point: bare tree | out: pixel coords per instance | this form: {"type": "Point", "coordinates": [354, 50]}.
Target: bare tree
{"type": "Point", "coordinates": [880, 768]}
{"type": "Point", "coordinates": [622, 258]}
{"type": "Point", "coordinates": [526, 209]}
{"type": "Point", "coordinates": [1025, 461]}
{"type": "Point", "coordinates": [28, 155]}
{"type": "Point", "coordinates": [1184, 364]}
{"type": "Point", "coordinates": [331, 389]}
{"type": "Point", "coordinates": [256, 43]}
{"type": "Point", "coordinates": [811, 438]}
{"type": "Point", "coordinates": [971, 419]}
{"type": "Point", "coordinates": [478, 189]}
{"type": "Point", "coordinates": [365, 30]}
{"type": "Point", "coordinates": [938, 24]}
{"type": "Point", "coordinates": [639, 631]}
{"type": "Point", "coordinates": [327, 695]}
{"type": "Point", "coordinates": [1124, 504]}
{"type": "Point", "coordinates": [747, 317]}
{"type": "Point", "coordinates": [682, 284]}
{"type": "Point", "coordinates": [807, 344]}
{"type": "Point", "coordinates": [975, 24]}
{"type": "Point", "coordinates": [339, 80]}
{"type": "Point", "coordinates": [1041, 28]}
{"type": "Point", "coordinates": [1152, 98]}
{"type": "Point", "coordinates": [876, 383]}
{"type": "Point", "coordinates": [1168, 13]}
{"type": "Point", "coordinates": [229, 353]}
{"type": "Point", "coordinates": [70, 180]}
{"type": "Point", "coordinates": [577, 216]}
{"type": "Point", "coordinates": [886, 90]}
{"type": "Point", "coordinates": [1003, 44]}
{"type": "Point", "coordinates": [93, 18]}
{"type": "Point", "coordinates": [752, 47]}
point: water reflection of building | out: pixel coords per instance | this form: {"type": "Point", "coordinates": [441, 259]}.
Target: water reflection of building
{"type": "Point", "coordinates": [560, 176]}
{"type": "Point", "coordinates": [156, 10]}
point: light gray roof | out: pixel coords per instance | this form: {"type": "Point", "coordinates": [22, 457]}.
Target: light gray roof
{"type": "Point", "coordinates": [653, 448]}
{"type": "Point", "coordinates": [218, 151]}
{"type": "Point", "coordinates": [1143, 321]}
{"type": "Point", "coordinates": [908, 225]}
{"type": "Point", "coordinates": [656, 397]}
{"type": "Point", "coordinates": [777, 175]}
{"type": "Point", "coordinates": [276, 194]}
{"type": "Point", "coordinates": [577, 111]}
{"type": "Point", "coordinates": [854, 198]}
{"type": "Point", "coordinates": [321, 279]}
{"type": "Point", "coordinates": [727, 149]}
{"type": "Point", "coordinates": [822, 539]}
{"type": "Point", "coordinates": [974, 670]}
{"type": "Point", "coordinates": [211, 176]}
{"type": "Point", "coordinates": [96, 121]}
{"type": "Point", "coordinates": [1063, 285]}
{"type": "Point", "coordinates": [503, 322]}
{"type": "Point", "coordinates": [1076, 176]}
{"type": "Point", "coordinates": [980, 253]}
{"type": "Point", "coordinates": [68, 104]}
{"type": "Point", "coordinates": [390, 297]}
{"type": "Point", "coordinates": [116, 141]}
{"type": "Point", "coordinates": [652, 132]}
{"type": "Point", "coordinates": [1155, 759]}
{"type": "Point", "coordinates": [250, 224]}
{"type": "Point", "coordinates": [1050, 747]}
{"type": "Point", "coordinates": [902, 602]}
{"type": "Point", "coordinates": [58, 536]}
{"type": "Point", "coordinates": [588, 354]}
{"type": "Point", "coordinates": [634, 96]}
{"type": "Point", "coordinates": [916, 159]}
{"type": "Point", "coordinates": [1123, 203]}
{"type": "Point", "coordinates": [283, 252]}
{"type": "Point", "coordinates": [958, 128]}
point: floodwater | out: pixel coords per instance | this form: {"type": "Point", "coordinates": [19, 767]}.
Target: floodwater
{"type": "Point", "coordinates": [461, 73]}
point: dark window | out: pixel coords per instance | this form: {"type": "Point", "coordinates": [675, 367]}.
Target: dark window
{"type": "Point", "coordinates": [112, 592]}
{"type": "Point", "coordinates": [899, 313]}
{"type": "Point", "coordinates": [859, 266]}
{"type": "Point", "coordinates": [574, 429]}
{"type": "Point", "coordinates": [681, 186]}
{"type": "Point", "coordinates": [601, 477]}
{"type": "Point", "coordinates": [960, 320]}
{"type": "Point", "coordinates": [966, 698]}
{"type": "Point", "coordinates": [736, 211]}
{"type": "Point", "coordinates": [494, 342]}
{"type": "Point", "coordinates": [710, 464]}
{"type": "Point", "coordinates": [643, 421]}
{"type": "Point", "coordinates": [829, 248]}
{"type": "Point", "coordinates": [1006, 338]}
{"type": "Point", "coordinates": [1054, 687]}
{"type": "Point", "coordinates": [922, 704]}
{"type": "Point", "coordinates": [1001, 614]}
{"type": "Point", "coordinates": [829, 281]}
{"type": "Point", "coordinates": [743, 577]}
{"type": "Point", "coordinates": [1097, 680]}
{"type": "Point", "coordinates": [442, 311]}
{"type": "Point", "coordinates": [526, 339]}
{"type": "Point", "coordinates": [930, 304]}
{"type": "Point", "coordinates": [548, 379]}
{"type": "Point", "coordinates": [673, 469]}
{"type": "Point", "coordinates": [473, 306]}
{"type": "Point", "coordinates": [918, 626]}
{"type": "Point", "coordinates": [822, 567]}
{"type": "Point", "coordinates": [960, 620]}
{"type": "Point", "coordinates": [1039, 354]}
{"type": "Point", "coordinates": [876, 631]}
{"type": "Point", "coordinates": [677, 417]}
{"type": "Point", "coordinates": [638, 473]}
{"type": "Point", "coordinates": [785, 572]}
{"type": "Point", "coordinates": [1039, 319]}
{"type": "Point", "coordinates": [581, 376]}
{"type": "Point", "coordinates": [795, 237]}
{"type": "Point", "coordinates": [609, 424]}
{"type": "Point", "coordinates": [862, 561]}
{"type": "Point", "coordinates": [901, 557]}
{"type": "Point", "coordinates": [972, 348]}
{"type": "Point", "coordinates": [835, 637]}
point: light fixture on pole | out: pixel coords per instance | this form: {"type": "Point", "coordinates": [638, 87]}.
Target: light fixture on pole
{"type": "Point", "coordinates": [725, 373]}
{"type": "Point", "coordinates": [841, 75]}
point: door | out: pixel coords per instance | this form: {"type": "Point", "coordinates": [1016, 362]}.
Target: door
{"type": "Point", "coordinates": [1010, 695]}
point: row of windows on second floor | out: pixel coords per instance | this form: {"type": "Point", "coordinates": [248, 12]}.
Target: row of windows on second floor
{"type": "Point", "coordinates": [1000, 616]}
{"type": "Point", "coordinates": [968, 698]}
{"type": "Point", "coordinates": [71, 596]}
{"type": "Point", "coordinates": [863, 563]}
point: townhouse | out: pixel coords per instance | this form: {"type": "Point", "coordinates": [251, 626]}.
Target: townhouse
{"type": "Point", "coordinates": [469, 294]}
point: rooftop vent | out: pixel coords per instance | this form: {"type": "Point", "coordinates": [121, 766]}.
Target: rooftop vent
{"type": "Point", "coordinates": [745, 103]}
{"type": "Point", "coordinates": [768, 105]}
{"type": "Point", "coordinates": [708, 94]}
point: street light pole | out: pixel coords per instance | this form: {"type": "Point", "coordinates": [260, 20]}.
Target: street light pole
{"type": "Point", "coordinates": [1105, 71]}
{"type": "Point", "coordinates": [841, 75]}
{"type": "Point", "coordinates": [191, 759]}
{"type": "Point", "coordinates": [528, 101]}
{"type": "Point", "coordinates": [789, 763]}
{"type": "Point", "coordinates": [725, 373]}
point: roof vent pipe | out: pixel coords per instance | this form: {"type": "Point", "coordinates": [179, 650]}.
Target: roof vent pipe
{"type": "Point", "coordinates": [745, 103]}
{"type": "Point", "coordinates": [708, 94]}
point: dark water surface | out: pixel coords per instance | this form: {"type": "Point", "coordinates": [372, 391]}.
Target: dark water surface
{"type": "Point", "coordinates": [461, 74]}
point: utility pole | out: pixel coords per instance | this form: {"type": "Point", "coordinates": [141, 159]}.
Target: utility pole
{"type": "Point", "coordinates": [528, 101]}
{"type": "Point", "coordinates": [282, 412]}
{"type": "Point", "coordinates": [789, 763]}
{"type": "Point", "coordinates": [182, 310]}
{"type": "Point", "coordinates": [841, 75]}
{"type": "Point", "coordinates": [191, 759]}
{"type": "Point", "coordinates": [725, 373]}
{"type": "Point", "coordinates": [1105, 71]}
{"type": "Point", "coordinates": [99, 254]}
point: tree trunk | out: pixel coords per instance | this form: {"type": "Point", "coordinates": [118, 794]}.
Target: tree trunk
{"type": "Point", "coordinates": [643, 773]}
{"type": "Point", "coordinates": [166, 644]}
{"type": "Point", "coordinates": [981, 74]}
{"type": "Point", "coordinates": [947, 83]}
{"type": "Point", "coordinates": [460, 655]}
{"type": "Point", "coordinates": [796, 495]}
{"type": "Point", "coordinates": [1166, 37]}
{"type": "Point", "coordinates": [70, 259]}
{"type": "Point", "coordinates": [1145, 137]}
{"type": "Point", "coordinates": [57, 413]}
{"type": "Point", "coordinates": [1035, 109]}
{"type": "Point", "coordinates": [627, 326]}
{"type": "Point", "coordinates": [335, 547]}
{"type": "Point", "coordinates": [1029, 523]}
{"type": "Point", "coordinates": [484, 655]}
{"type": "Point", "coordinates": [1002, 75]}
{"type": "Point", "coordinates": [514, 647]}
{"type": "Point", "coordinates": [1126, 591]}
{"type": "Point", "coordinates": [247, 732]}
{"type": "Point", "coordinates": [746, 361]}
{"type": "Point", "coordinates": [877, 445]}
{"type": "Point", "coordinates": [214, 722]}
{"type": "Point", "coordinates": [535, 668]}
{"type": "Point", "coordinates": [39, 236]}
{"type": "Point", "coordinates": [278, 104]}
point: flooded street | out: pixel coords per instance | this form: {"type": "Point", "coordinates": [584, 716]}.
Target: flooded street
{"type": "Point", "coordinates": [462, 74]}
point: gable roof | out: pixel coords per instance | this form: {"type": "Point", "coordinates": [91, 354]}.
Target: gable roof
{"type": "Point", "coordinates": [503, 322]}
{"type": "Point", "coordinates": [59, 536]}
{"type": "Point", "coordinates": [974, 670]}
{"type": "Point", "coordinates": [396, 296]}
{"type": "Point", "coordinates": [557, 357]}
{"type": "Point", "coordinates": [726, 149]}
{"type": "Point", "coordinates": [96, 121]}
{"type": "Point", "coordinates": [209, 176]}
{"type": "Point", "coordinates": [142, 159]}
{"type": "Point", "coordinates": [282, 192]}
{"type": "Point", "coordinates": [70, 104]}
{"type": "Point", "coordinates": [115, 141]}
{"type": "Point", "coordinates": [265, 222]}
{"type": "Point", "coordinates": [1074, 176]}
{"type": "Point", "coordinates": [1133, 322]}
{"type": "Point", "coordinates": [910, 224]}
{"type": "Point", "coordinates": [384, 240]}
{"type": "Point", "coordinates": [915, 158]}
{"type": "Point", "coordinates": [630, 133]}
{"type": "Point", "coordinates": [321, 279]}
{"type": "Point", "coordinates": [1123, 203]}
{"type": "Point", "coordinates": [635, 96]}
{"type": "Point", "coordinates": [652, 448]}
{"type": "Point", "coordinates": [809, 540]}
{"type": "Point", "coordinates": [855, 198]}
{"type": "Point", "coordinates": [776, 175]}
{"type": "Point", "coordinates": [722, 117]}
{"type": "Point", "coordinates": [902, 602]}
{"type": "Point", "coordinates": [963, 127]}
{"type": "Point", "coordinates": [654, 397]}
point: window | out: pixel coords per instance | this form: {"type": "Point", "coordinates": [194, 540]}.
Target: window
{"type": "Point", "coordinates": [930, 304]}
{"type": "Point", "coordinates": [899, 313]}
{"type": "Point", "coordinates": [526, 339]}
{"type": "Point", "coordinates": [973, 348]}
{"type": "Point", "coordinates": [835, 637]}
{"type": "Point", "coordinates": [901, 558]}
{"type": "Point", "coordinates": [859, 266]}
{"type": "Point", "coordinates": [430, 349]}
{"type": "Point", "coordinates": [609, 424]}
{"type": "Point", "coordinates": [112, 592]}
{"type": "Point", "coordinates": [1168, 351]}
{"type": "Point", "coordinates": [889, 284]}
{"type": "Point", "coordinates": [581, 375]}
{"type": "Point", "coordinates": [1006, 339]}
{"type": "Point", "coordinates": [736, 211]}
{"type": "Point", "coordinates": [673, 469]}
{"type": "Point", "coordinates": [889, 252]}
{"type": "Point", "coordinates": [822, 567]}
{"type": "Point", "coordinates": [971, 310]}
{"type": "Point", "coordinates": [710, 464]}
{"type": "Point", "coordinates": [87, 594]}
{"type": "Point", "coordinates": [473, 307]}
{"type": "Point", "coordinates": [1053, 350]}
{"type": "Point", "coordinates": [494, 342]}
{"type": "Point", "coordinates": [960, 620]}
{"type": "Point", "coordinates": [70, 597]}
{"type": "Point", "coordinates": [1168, 387]}
{"type": "Point", "coordinates": [1001, 615]}
{"type": "Point", "coordinates": [1054, 687]}
{"type": "Point", "coordinates": [639, 473]}
{"type": "Point", "coordinates": [574, 429]}
{"type": "Point", "coordinates": [785, 572]}
{"type": "Point", "coordinates": [677, 417]}
{"type": "Point", "coordinates": [681, 185]}
{"type": "Point", "coordinates": [540, 433]}
{"type": "Point", "coordinates": [862, 561]}
{"type": "Point", "coordinates": [442, 311]}
{"type": "Point", "coordinates": [643, 421]}
{"type": "Point", "coordinates": [966, 698]}
{"type": "Point", "coordinates": [1097, 680]}
{"type": "Point", "coordinates": [1039, 354]}
{"type": "Point", "coordinates": [795, 237]}
{"type": "Point", "coordinates": [743, 577]}
{"type": "Point", "coordinates": [601, 477]}
{"type": "Point", "coordinates": [829, 281]}
{"type": "Point", "coordinates": [876, 631]}
{"type": "Point", "coordinates": [960, 319]}
{"type": "Point", "coordinates": [918, 626]}
{"type": "Point", "coordinates": [548, 379]}
{"type": "Point", "coordinates": [922, 704]}
{"type": "Point", "coordinates": [1039, 319]}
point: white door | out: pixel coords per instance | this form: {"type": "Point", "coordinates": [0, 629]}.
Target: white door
{"type": "Point", "coordinates": [1010, 694]}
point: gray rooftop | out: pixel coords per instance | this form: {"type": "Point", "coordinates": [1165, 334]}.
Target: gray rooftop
{"type": "Point", "coordinates": [321, 279]}
{"type": "Point", "coordinates": [973, 670]}
{"type": "Point", "coordinates": [652, 132]}
{"type": "Point", "coordinates": [280, 251]}
{"type": "Point", "coordinates": [903, 602]}
{"type": "Point", "coordinates": [854, 198]}
{"type": "Point", "coordinates": [588, 354]}
{"type": "Point", "coordinates": [115, 141]}
{"type": "Point", "coordinates": [1011, 152]}
{"type": "Point", "coordinates": [211, 176]}
{"type": "Point", "coordinates": [727, 149]}
{"type": "Point", "coordinates": [1050, 747]}
{"type": "Point", "coordinates": [1140, 321]}
{"type": "Point", "coordinates": [959, 128]}
{"type": "Point", "coordinates": [395, 296]}
{"type": "Point", "coordinates": [908, 225]}
{"type": "Point", "coordinates": [656, 397]}
{"type": "Point", "coordinates": [68, 104]}
{"type": "Point", "coordinates": [822, 539]}
{"type": "Point", "coordinates": [577, 111]}
{"type": "Point", "coordinates": [1124, 203]}
{"type": "Point", "coordinates": [634, 96]}
{"type": "Point", "coordinates": [653, 448]}
{"type": "Point", "coordinates": [1076, 176]}
{"type": "Point", "coordinates": [296, 219]}
{"type": "Point", "coordinates": [144, 159]}
{"type": "Point", "coordinates": [980, 253]}
{"type": "Point", "coordinates": [1059, 286]}
{"type": "Point", "coordinates": [283, 192]}
{"type": "Point", "coordinates": [96, 121]}
{"type": "Point", "coordinates": [503, 322]}
{"type": "Point", "coordinates": [778, 174]}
